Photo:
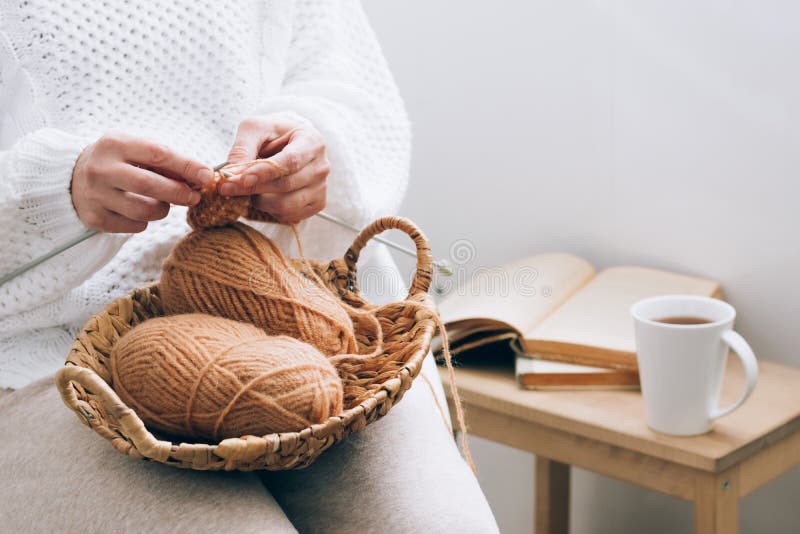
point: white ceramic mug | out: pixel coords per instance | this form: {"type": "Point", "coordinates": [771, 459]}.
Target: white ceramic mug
{"type": "Point", "coordinates": [681, 367]}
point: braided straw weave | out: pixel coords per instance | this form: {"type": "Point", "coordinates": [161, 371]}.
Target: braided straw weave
{"type": "Point", "coordinates": [371, 386]}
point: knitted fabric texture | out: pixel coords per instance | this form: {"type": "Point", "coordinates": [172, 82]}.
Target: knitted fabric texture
{"type": "Point", "coordinates": [217, 210]}
{"type": "Point", "coordinates": [184, 74]}
{"type": "Point", "coordinates": [233, 271]}
{"type": "Point", "coordinates": [204, 376]}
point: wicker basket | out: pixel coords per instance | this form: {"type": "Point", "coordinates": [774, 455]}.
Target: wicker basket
{"type": "Point", "coordinates": [370, 390]}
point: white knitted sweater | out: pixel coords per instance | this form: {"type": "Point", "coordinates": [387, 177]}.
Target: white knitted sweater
{"type": "Point", "coordinates": [183, 73]}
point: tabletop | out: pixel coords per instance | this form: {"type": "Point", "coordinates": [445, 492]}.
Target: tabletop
{"type": "Point", "coordinates": [617, 417]}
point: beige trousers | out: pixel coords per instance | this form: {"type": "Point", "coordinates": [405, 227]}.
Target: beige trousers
{"type": "Point", "coordinates": [400, 474]}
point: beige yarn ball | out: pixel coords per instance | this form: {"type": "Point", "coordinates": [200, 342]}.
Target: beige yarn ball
{"type": "Point", "coordinates": [204, 376]}
{"type": "Point", "coordinates": [236, 272]}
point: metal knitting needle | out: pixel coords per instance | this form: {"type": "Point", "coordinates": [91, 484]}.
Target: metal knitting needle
{"type": "Point", "coordinates": [56, 251]}
{"type": "Point", "coordinates": [442, 266]}
{"type": "Point", "coordinates": [59, 249]}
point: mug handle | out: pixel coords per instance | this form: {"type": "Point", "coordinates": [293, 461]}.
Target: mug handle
{"type": "Point", "coordinates": [745, 354]}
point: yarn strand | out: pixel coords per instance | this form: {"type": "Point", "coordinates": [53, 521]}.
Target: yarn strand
{"type": "Point", "coordinates": [447, 425]}
{"type": "Point", "coordinates": [448, 360]}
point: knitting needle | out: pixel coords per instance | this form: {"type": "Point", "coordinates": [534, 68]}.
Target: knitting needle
{"type": "Point", "coordinates": [58, 250]}
{"type": "Point", "coordinates": [36, 261]}
{"type": "Point", "coordinates": [442, 266]}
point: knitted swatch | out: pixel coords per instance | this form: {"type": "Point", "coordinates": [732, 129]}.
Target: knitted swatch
{"type": "Point", "coordinates": [204, 376]}
{"type": "Point", "coordinates": [217, 210]}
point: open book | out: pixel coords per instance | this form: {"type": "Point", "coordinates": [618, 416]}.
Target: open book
{"type": "Point", "coordinates": [555, 307]}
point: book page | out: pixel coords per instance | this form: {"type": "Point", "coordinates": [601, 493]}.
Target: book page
{"type": "Point", "coordinates": [598, 316]}
{"type": "Point", "coordinates": [519, 294]}
{"type": "Point", "coordinates": [541, 374]}
{"type": "Point", "coordinates": [526, 365]}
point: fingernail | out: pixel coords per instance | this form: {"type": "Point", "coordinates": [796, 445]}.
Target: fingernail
{"type": "Point", "coordinates": [194, 198]}
{"type": "Point", "coordinates": [205, 175]}
{"type": "Point", "coordinates": [227, 189]}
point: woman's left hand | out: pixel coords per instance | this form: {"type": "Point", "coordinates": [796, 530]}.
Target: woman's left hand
{"type": "Point", "coordinates": [295, 187]}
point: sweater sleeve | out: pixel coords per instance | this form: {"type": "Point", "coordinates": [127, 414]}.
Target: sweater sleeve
{"type": "Point", "coordinates": [336, 77]}
{"type": "Point", "coordinates": [37, 215]}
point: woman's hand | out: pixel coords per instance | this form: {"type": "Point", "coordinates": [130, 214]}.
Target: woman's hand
{"type": "Point", "coordinates": [295, 187]}
{"type": "Point", "coordinates": [119, 183]}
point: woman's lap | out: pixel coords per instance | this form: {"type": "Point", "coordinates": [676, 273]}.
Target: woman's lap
{"type": "Point", "coordinates": [58, 475]}
{"type": "Point", "coordinates": [400, 474]}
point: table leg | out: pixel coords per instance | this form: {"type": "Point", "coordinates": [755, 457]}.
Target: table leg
{"type": "Point", "coordinates": [716, 504]}
{"type": "Point", "coordinates": [552, 497]}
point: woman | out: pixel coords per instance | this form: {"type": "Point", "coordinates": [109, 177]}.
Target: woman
{"type": "Point", "coordinates": [183, 86]}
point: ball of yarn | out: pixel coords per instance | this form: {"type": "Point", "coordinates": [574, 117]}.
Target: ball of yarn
{"type": "Point", "coordinates": [236, 272]}
{"type": "Point", "coordinates": [204, 376]}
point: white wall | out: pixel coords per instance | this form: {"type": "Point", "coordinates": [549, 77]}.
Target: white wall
{"type": "Point", "coordinates": [657, 133]}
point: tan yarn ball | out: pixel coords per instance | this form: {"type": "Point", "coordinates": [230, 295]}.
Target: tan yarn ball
{"type": "Point", "coordinates": [236, 272]}
{"type": "Point", "coordinates": [203, 376]}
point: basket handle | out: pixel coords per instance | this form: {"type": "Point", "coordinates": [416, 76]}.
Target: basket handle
{"type": "Point", "coordinates": [424, 270]}
{"type": "Point", "coordinates": [130, 423]}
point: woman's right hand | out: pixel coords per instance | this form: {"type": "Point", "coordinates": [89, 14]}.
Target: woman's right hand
{"type": "Point", "coordinates": [119, 183]}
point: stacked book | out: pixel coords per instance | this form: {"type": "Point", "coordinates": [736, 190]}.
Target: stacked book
{"type": "Point", "coordinates": [564, 325]}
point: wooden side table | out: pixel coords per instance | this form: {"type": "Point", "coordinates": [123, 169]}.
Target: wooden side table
{"type": "Point", "coordinates": [605, 432]}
